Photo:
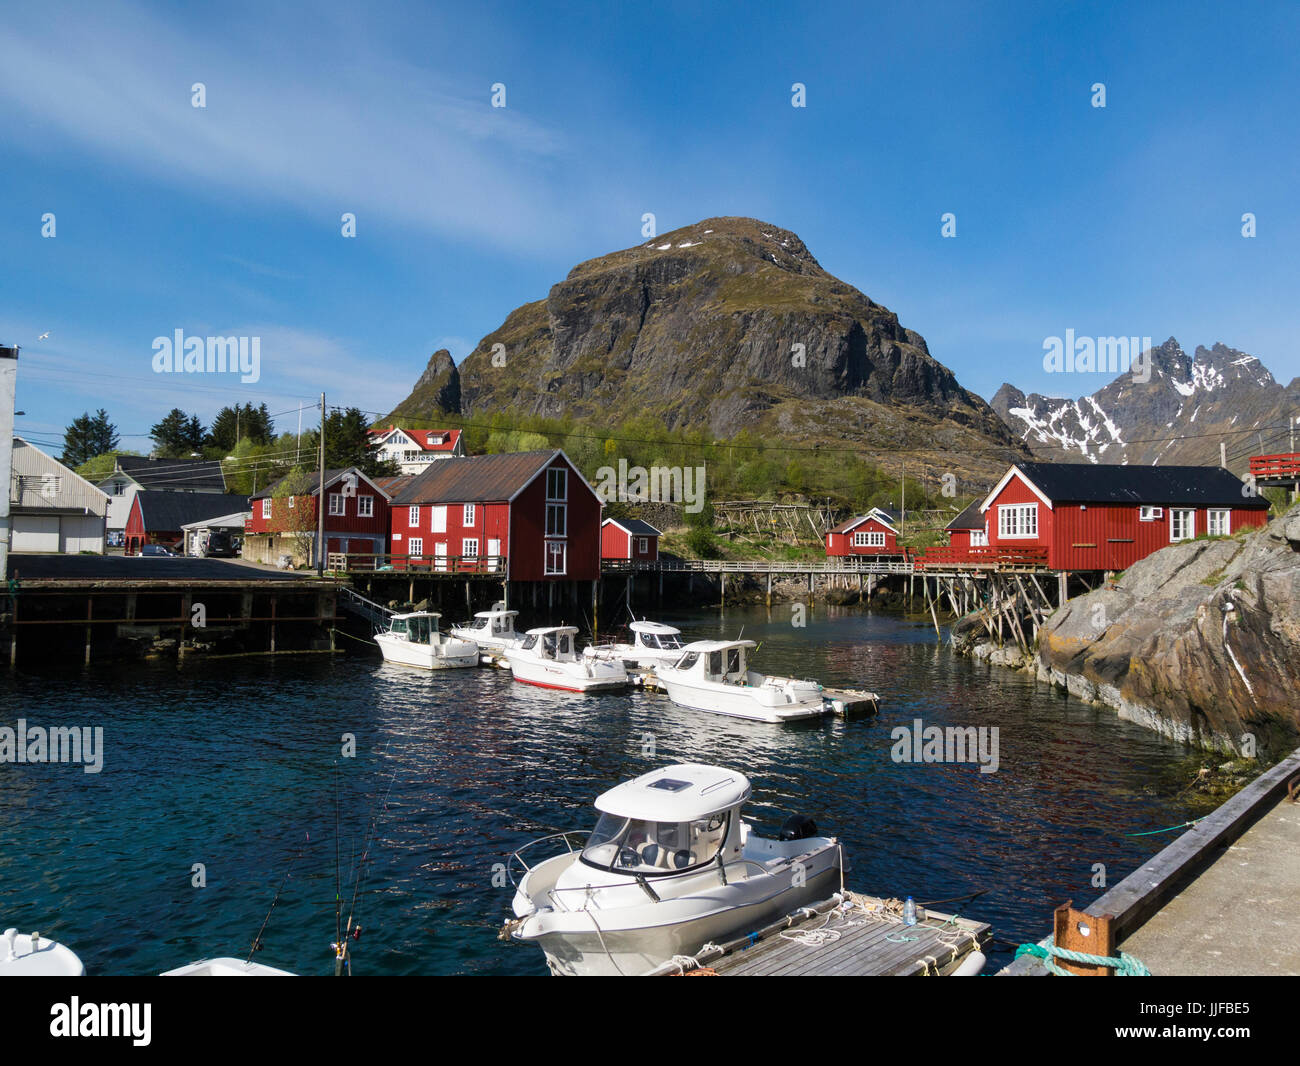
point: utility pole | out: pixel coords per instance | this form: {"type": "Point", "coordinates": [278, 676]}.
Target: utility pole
{"type": "Point", "coordinates": [8, 389]}
{"type": "Point", "coordinates": [320, 497]}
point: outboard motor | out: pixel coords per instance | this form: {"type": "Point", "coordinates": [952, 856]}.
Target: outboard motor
{"type": "Point", "coordinates": [798, 827]}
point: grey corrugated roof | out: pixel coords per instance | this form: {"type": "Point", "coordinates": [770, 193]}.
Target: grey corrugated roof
{"type": "Point", "coordinates": [636, 527]}
{"type": "Point", "coordinates": [167, 512]}
{"type": "Point", "coordinates": [971, 518]}
{"type": "Point", "coordinates": [1194, 486]}
{"type": "Point", "coordinates": [188, 474]}
{"type": "Point", "coordinates": [474, 479]}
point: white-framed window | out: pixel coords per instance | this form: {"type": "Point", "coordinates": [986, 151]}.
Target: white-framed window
{"type": "Point", "coordinates": [1182, 523]}
{"type": "Point", "coordinates": [467, 520]}
{"type": "Point", "coordinates": [266, 506]}
{"type": "Point", "coordinates": [338, 505]}
{"type": "Point", "coordinates": [643, 544]}
{"type": "Point", "coordinates": [469, 547]}
{"type": "Point", "coordinates": [291, 499]}
{"type": "Point", "coordinates": [438, 518]}
{"type": "Point", "coordinates": [365, 507]}
{"type": "Point", "coordinates": [557, 520]}
{"type": "Point", "coordinates": [413, 518]}
{"type": "Point", "coordinates": [556, 556]}
{"type": "Point", "coordinates": [979, 538]}
{"type": "Point", "coordinates": [557, 484]}
{"type": "Point", "coordinates": [415, 547]}
{"type": "Point", "coordinates": [1150, 514]}
{"type": "Point", "coordinates": [1017, 520]}
{"type": "Point", "coordinates": [868, 539]}
{"type": "Point", "coordinates": [1219, 522]}
{"type": "Point", "coordinates": [119, 487]}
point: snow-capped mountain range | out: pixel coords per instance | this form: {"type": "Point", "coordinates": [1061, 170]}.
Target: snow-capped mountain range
{"type": "Point", "coordinates": [1179, 413]}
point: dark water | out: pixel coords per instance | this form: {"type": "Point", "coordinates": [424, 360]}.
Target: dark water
{"type": "Point", "coordinates": [235, 764]}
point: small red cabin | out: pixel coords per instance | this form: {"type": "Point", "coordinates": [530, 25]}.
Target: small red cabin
{"type": "Point", "coordinates": [286, 523]}
{"type": "Point", "coordinates": [528, 515]}
{"type": "Point", "coordinates": [874, 533]}
{"type": "Point", "coordinates": [1103, 517]}
{"type": "Point", "coordinates": [629, 538]}
{"type": "Point", "coordinates": [968, 530]}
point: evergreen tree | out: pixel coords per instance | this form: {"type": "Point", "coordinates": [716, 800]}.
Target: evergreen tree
{"type": "Point", "coordinates": [88, 437]}
{"type": "Point", "coordinates": [178, 434]}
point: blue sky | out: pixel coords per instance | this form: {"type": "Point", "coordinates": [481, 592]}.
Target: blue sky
{"type": "Point", "coordinates": [226, 220]}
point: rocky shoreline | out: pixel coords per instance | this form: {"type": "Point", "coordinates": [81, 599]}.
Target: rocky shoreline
{"type": "Point", "coordinates": [1199, 641]}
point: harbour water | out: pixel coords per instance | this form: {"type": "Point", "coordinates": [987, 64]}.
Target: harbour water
{"type": "Point", "coordinates": [237, 765]}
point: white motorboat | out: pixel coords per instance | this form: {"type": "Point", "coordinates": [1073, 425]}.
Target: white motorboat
{"type": "Point", "coordinates": [669, 868]}
{"type": "Point", "coordinates": [712, 675]}
{"type": "Point", "coordinates": [493, 631]}
{"type": "Point", "coordinates": [415, 640]}
{"type": "Point", "coordinates": [226, 967]}
{"type": "Point", "coordinates": [24, 955]}
{"type": "Point", "coordinates": [546, 657]}
{"type": "Point", "coordinates": [653, 645]}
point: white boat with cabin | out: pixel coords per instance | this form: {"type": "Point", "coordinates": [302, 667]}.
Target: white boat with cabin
{"type": "Point", "coordinates": [713, 675]}
{"type": "Point", "coordinates": [414, 640]}
{"type": "Point", "coordinates": [653, 645]}
{"type": "Point", "coordinates": [546, 657]}
{"type": "Point", "coordinates": [670, 867]}
{"type": "Point", "coordinates": [226, 967]}
{"type": "Point", "coordinates": [493, 631]}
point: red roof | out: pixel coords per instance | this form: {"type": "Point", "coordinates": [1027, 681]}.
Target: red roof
{"type": "Point", "coordinates": [430, 440]}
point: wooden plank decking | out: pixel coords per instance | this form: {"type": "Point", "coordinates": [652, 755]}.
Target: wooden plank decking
{"type": "Point", "coordinates": [864, 941]}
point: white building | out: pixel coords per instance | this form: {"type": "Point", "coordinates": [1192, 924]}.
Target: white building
{"type": "Point", "coordinates": [414, 449]}
{"type": "Point", "coordinates": [52, 508]}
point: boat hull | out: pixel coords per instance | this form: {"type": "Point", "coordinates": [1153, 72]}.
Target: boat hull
{"type": "Point", "coordinates": [737, 701]}
{"type": "Point", "coordinates": [427, 656]}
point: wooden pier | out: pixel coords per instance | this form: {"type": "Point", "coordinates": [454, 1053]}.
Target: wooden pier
{"type": "Point", "coordinates": [865, 939]}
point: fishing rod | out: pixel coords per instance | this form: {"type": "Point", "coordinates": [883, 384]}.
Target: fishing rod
{"type": "Point", "coordinates": [257, 940]}
{"type": "Point", "coordinates": [355, 933]}
{"type": "Point", "coordinates": [340, 945]}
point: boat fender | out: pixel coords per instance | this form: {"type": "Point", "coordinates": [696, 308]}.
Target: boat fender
{"type": "Point", "coordinates": [798, 827]}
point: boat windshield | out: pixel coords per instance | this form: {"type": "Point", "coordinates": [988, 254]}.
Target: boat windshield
{"type": "Point", "coordinates": [687, 661]}
{"type": "Point", "coordinates": [637, 846]}
{"type": "Point", "coordinates": [418, 629]}
{"type": "Point", "coordinates": [660, 641]}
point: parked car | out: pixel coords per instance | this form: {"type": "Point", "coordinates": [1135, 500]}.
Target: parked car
{"type": "Point", "coordinates": [156, 550]}
{"type": "Point", "coordinates": [221, 546]}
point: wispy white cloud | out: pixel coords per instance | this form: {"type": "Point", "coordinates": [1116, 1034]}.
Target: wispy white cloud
{"type": "Point", "coordinates": [331, 128]}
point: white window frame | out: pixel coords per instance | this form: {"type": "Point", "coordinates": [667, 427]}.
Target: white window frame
{"type": "Point", "coordinates": [1189, 513]}
{"type": "Point", "coordinates": [413, 518]}
{"type": "Point", "coordinates": [438, 518]}
{"type": "Point", "coordinates": [467, 518]}
{"type": "Point", "coordinates": [342, 505]}
{"type": "Point", "coordinates": [643, 544]}
{"type": "Point", "coordinates": [1015, 520]}
{"type": "Point", "coordinates": [365, 507]}
{"type": "Point", "coordinates": [291, 499]}
{"type": "Point", "coordinates": [266, 506]}
{"type": "Point", "coordinates": [557, 475]}
{"type": "Point", "coordinates": [1225, 516]}
{"type": "Point", "coordinates": [562, 510]}
{"type": "Point", "coordinates": [415, 547]}
{"type": "Point", "coordinates": [1150, 514]}
{"type": "Point", "coordinates": [469, 547]}
{"type": "Point", "coordinates": [868, 538]}
{"type": "Point", "coordinates": [562, 547]}
{"type": "Point", "coordinates": [979, 538]}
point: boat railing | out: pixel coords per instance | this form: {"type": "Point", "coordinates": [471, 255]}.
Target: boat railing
{"type": "Point", "coordinates": [517, 856]}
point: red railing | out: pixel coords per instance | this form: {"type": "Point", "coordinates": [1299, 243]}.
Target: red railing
{"type": "Point", "coordinates": [1285, 465]}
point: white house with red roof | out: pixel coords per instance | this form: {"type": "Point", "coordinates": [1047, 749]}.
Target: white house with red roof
{"type": "Point", "coordinates": [414, 449]}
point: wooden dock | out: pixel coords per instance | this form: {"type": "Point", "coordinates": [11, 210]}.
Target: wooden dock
{"type": "Point", "coordinates": [865, 939]}
{"type": "Point", "coordinates": [1194, 897]}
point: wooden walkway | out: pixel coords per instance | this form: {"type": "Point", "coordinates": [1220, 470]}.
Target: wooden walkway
{"type": "Point", "coordinates": [867, 940]}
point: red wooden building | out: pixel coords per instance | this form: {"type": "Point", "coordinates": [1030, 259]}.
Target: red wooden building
{"type": "Point", "coordinates": [158, 517]}
{"type": "Point", "coordinates": [628, 538]}
{"type": "Point", "coordinates": [286, 523]}
{"type": "Point", "coordinates": [1098, 517]}
{"type": "Point", "coordinates": [528, 515]}
{"type": "Point", "coordinates": [968, 530]}
{"type": "Point", "coordinates": [874, 533]}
